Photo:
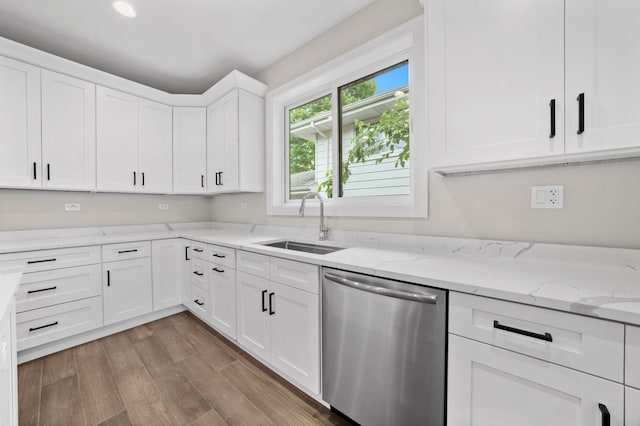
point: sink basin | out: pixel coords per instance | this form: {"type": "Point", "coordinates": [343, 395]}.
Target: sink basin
{"type": "Point", "coordinates": [305, 247]}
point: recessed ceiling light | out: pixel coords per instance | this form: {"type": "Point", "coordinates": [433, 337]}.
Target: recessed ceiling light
{"type": "Point", "coordinates": [124, 8]}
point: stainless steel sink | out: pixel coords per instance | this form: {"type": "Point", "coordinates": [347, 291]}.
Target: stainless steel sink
{"type": "Point", "coordinates": [305, 247]}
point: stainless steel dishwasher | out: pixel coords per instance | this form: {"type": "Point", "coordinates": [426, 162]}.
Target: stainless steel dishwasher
{"type": "Point", "coordinates": [383, 349]}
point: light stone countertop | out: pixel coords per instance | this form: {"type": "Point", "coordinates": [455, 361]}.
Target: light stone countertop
{"type": "Point", "coordinates": [593, 281]}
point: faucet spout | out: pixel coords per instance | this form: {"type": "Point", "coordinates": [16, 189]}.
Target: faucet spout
{"type": "Point", "coordinates": [324, 230]}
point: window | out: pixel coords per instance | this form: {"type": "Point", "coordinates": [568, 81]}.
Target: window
{"type": "Point", "coordinates": [345, 131]}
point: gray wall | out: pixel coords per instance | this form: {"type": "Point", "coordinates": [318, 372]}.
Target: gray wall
{"type": "Point", "coordinates": [33, 209]}
{"type": "Point", "coordinates": [602, 201]}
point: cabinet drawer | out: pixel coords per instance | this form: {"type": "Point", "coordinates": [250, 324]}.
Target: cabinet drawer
{"type": "Point", "coordinates": [199, 303]}
{"type": "Point", "coordinates": [253, 263]}
{"type": "Point", "coordinates": [40, 289]}
{"type": "Point", "coordinates": [200, 274]}
{"type": "Point", "coordinates": [115, 252]}
{"type": "Point", "coordinates": [222, 256]}
{"type": "Point", "coordinates": [586, 344]}
{"type": "Point", "coordinates": [32, 261]}
{"type": "Point", "coordinates": [199, 250]}
{"type": "Point", "coordinates": [295, 274]}
{"type": "Point", "coordinates": [40, 326]}
{"type": "Point", "coordinates": [632, 356]}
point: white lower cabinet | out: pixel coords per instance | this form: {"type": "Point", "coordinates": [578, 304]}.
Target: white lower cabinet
{"type": "Point", "coordinates": [8, 369]}
{"type": "Point", "coordinates": [222, 289]}
{"type": "Point", "coordinates": [166, 273]}
{"type": "Point", "coordinates": [253, 314]}
{"type": "Point", "coordinates": [186, 272]}
{"type": "Point", "coordinates": [632, 406]}
{"type": "Point", "coordinates": [495, 387]}
{"type": "Point", "coordinates": [127, 289]}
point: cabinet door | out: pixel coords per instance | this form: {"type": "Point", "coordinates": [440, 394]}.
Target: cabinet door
{"type": "Point", "coordinates": [166, 267]}
{"type": "Point", "coordinates": [186, 272]}
{"type": "Point", "coordinates": [494, 68]}
{"type": "Point", "coordinates": [632, 406]}
{"type": "Point", "coordinates": [189, 150]}
{"type": "Point", "coordinates": [222, 144]}
{"type": "Point", "coordinates": [19, 124]}
{"type": "Point", "coordinates": [68, 132]}
{"type": "Point", "coordinates": [8, 370]}
{"type": "Point", "coordinates": [495, 387]}
{"type": "Point", "coordinates": [155, 147]}
{"type": "Point", "coordinates": [222, 292]}
{"type": "Point", "coordinates": [127, 289]}
{"type": "Point", "coordinates": [253, 314]}
{"type": "Point", "coordinates": [295, 334]}
{"type": "Point", "coordinates": [117, 140]}
{"type": "Point", "coordinates": [603, 63]}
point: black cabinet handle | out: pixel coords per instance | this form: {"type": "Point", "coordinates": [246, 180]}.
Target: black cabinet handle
{"type": "Point", "coordinates": [202, 181]}
{"type": "Point", "coordinates": [552, 108]}
{"type": "Point", "coordinates": [199, 250]}
{"type": "Point", "coordinates": [264, 307]}
{"type": "Point", "coordinates": [43, 326]}
{"type": "Point", "coordinates": [108, 278]}
{"type": "Point", "coordinates": [546, 336]}
{"type": "Point", "coordinates": [606, 417]}
{"type": "Point", "coordinates": [217, 178]}
{"type": "Point", "coordinates": [35, 175]}
{"type": "Point", "coordinates": [186, 253]}
{"type": "Point", "coordinates": [48, 171]}
{"type": "Point", "coordinates": [219, 256]}
{"type": "Point", "coordinates": [198, 302]}
{"type": "Point", "coordinates": [221, 179]}
{"type": "Point", "coordinates": [127, 251]}
{"type": "Point", "coordinates": [580, 113]}
{"type": "Point", "coordinates": [142, 178]}
{"type": "Point", "coordinates": [198, 273]}
{"type": "Point", "coordinates": [271, 311]}
{"type": "Point", "coordinates": [134, 178]}
{"type": "Point", "coordinates": [42, 289]}
{"type": "Point", "coordinates": [31, 262]}
{"type": "Point", "coordinates": [218, 270]}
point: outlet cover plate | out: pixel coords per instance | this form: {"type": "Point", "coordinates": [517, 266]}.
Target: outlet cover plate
{"type": "Point", "coordinates": [72, 207]}
{"type": "Point", "coordinates": [547, 197]}
{"type": "Point", "coordinates": [163, 206]}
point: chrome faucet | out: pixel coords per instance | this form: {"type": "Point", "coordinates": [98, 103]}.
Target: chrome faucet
{"type": "Point", "coordinates": [324, 230]}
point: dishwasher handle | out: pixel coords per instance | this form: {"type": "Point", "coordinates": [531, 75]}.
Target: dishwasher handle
{"type": "Point", "coordinates": [422, 298]}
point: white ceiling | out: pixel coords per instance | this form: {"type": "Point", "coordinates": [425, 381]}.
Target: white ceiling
{"type": "Point", "coordinates": [180, 46]}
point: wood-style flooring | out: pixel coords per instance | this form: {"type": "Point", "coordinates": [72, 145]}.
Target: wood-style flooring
{"type": "Point", "coordinates": [174, 371]}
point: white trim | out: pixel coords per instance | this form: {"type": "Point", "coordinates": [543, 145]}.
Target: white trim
{"type": "Point", "coordinates": [405, 42]}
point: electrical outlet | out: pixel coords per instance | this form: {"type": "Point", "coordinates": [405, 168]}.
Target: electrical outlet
{"type": "Point", "coordinates": [72, 207]}
{"type": "Point", "coordinates": [163, 206]}
{"type": "Point", "coordinates": [547, 197]}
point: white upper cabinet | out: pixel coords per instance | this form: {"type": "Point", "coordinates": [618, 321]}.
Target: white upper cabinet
{"type": "Point", "coordinates": [134, 143]}
{"type": "Point", "coordinates": [496, 80]}
{"type": "Point", "coordinates": [68, 132]}
{"type": "Point", "coordinates": [189, 150]}
{"type": "Point", "coordinates": [603, 64]}
{"type": "Point", "coordinates": [117, 137]}
{"type": "Point", "coordinates": [155, 150]}
{"type": "Point", "coordinates": [235, 143]}
{"type": "Point", "coordinates": [20, 133]}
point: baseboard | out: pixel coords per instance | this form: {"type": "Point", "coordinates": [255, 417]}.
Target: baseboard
{"type": "Point", "coordinates": [79, 339]}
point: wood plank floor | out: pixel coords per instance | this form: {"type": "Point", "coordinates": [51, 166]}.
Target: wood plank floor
{"type": "Point", "coordinates": [174, 371]}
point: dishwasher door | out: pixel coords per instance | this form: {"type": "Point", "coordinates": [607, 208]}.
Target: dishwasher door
{"type": "Point", "coordinates": [383, 349]}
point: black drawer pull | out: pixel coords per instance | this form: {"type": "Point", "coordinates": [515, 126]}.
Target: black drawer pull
{"type": "Point", "coordinates": [552, 108]}
{"type": "Point", "coordinates": [35, 175]}
{"type": "Point", "coordinates": [198, 273]}
{"type": "Point", "coordinates": [218, 270]}
{"type": "Point", "coordinates": [186, 253]}
{"type": "Point", "coordinates": [264, 307]}
{"type": "Point", "coordinates": [42, 289]}
{"type": "Point", "coordinates": [127, 251]}
{"type": "Point", "coordinates": [142, 178]}
{"type": "Point", "coordinates": [43, 326]}
{"type": "Point", "coordinates": [546, 336]}
{"type": "Point", "coordinates": [271, 311]}
{"type": "Point", "coordinates": [198, 250]}
{"type": "Point", "coordinates": [31, 262]}
{"type": "Point", "coordinates": [606, 417]}
{"type": "Point", "coordinates": [580, 113]}
{"type": "Point", "coordinates": [134, 178]}
{"type": "Point", "coordinates": [202, 181]}
{"type": "Point", "coordinates": [198, 302]}
{"type": "Point", "coordinates": [219, 256]}
{"type": "Point", "coordinates": [48, 171]}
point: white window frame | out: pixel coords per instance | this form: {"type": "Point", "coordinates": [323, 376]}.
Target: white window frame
{"type": "Point", "coordinates": [405, 42]}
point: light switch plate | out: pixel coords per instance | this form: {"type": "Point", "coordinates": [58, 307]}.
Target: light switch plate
{"type": "Point", "coordinates": [547, 197]}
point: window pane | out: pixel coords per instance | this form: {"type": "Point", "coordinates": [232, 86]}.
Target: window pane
{"type": "Point", "coordinates": [310, 147]}
{"type": "Point", "coordinates": [374, 136]}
